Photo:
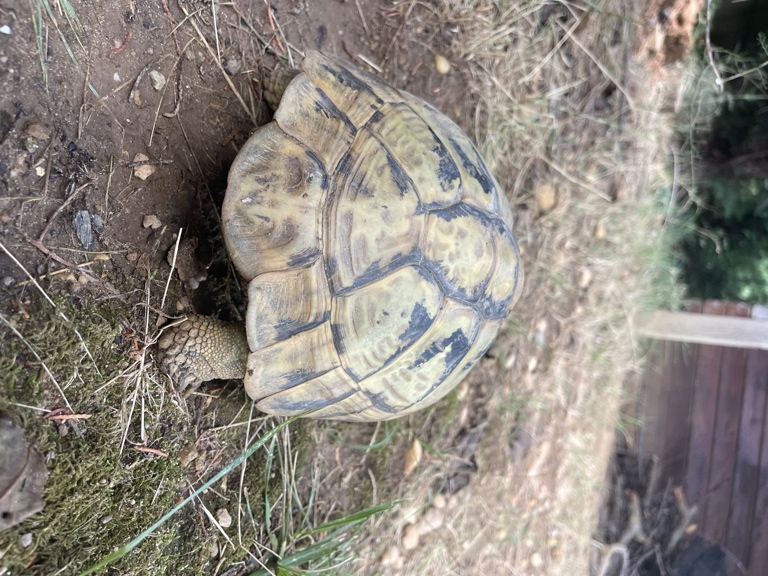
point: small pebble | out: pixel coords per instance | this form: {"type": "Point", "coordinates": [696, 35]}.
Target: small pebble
{"type": "Point", "coordinates": [536, 560]}
{"type": "Point", "coordinates": [412, 457]}
{"type": "Point", "coordinates": [214, 549]}
{"type": "Point", "coordinates": [5, 29]}
{"type": "Point", "coordinates": [26, 540]}
{"type": "Point", "coordinates": [223, 518]}
{"type": "Point", "coordinates": [434, 518]}
{"type": "Point", "coordinates": [438, 502]}
{"type": "Point", "coordinates": [390, 556]}
{"type": "Point", "coordinates": [422, 527]}
{"type": "Point", "coordinates": [39, 171]}
{"type": "Point", "coordinates": [151, 221]}
{"type": "Point", "coordinates": [599, 231]}
{"type": "Point", "coordinates": [233, 66]}
{"type": "Point", "coordinates": [83, 228]}
{"type": "Point", "coordinates": [8, 281]}
{"type": "Point", "coordinates": [106, 519]}
{"type": "Point", "coordinates": [157, 79]}
{"type": "Point", "coordinates": [145, 170]}
{"type": "Point", "coordinates": [441, 64]}
{"type": "Point", "coordinates": [116, 77]}
{"type": "Point", "coordinates": [546, 197]}
{"type": "Point", "coordinates": [410, 537]}
{"type": "Point", "coordinates": [585, 278]}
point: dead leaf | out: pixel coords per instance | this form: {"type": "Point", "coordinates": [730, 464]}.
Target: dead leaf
{"type": "Point", "coordinates": [22, 475]}
{"type": "Point", "coordinates": [412, 458]}
{"type": "Point", "coordinates": [37, 131]}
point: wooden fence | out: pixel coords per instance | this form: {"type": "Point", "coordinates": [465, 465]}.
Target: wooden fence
{"type": "Point", "coordinates": [705, 417]}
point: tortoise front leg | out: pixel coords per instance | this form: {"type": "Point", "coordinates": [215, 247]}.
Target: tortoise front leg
{"type": "Point", "coordinates": [202, 348]}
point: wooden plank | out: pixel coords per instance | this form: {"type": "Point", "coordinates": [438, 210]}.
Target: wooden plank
{"type": "Point", "coordinates": [656, 378]}
{"type": "Point", "coordinates": [724, 445]}
{"type": "Point", "coordinates": [747, 473]}
{"type": "Point", "coordinates": [678, 417]}
{"type": "Point", "coordinates": [703, 329]}
{"type": "Point", "coordinates": [703, 411]}
{"type": "Point", "coordinates": [758, 557]}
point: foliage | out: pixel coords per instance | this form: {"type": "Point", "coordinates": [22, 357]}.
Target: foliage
{"type": "Point", "coordinates": [723, 250]}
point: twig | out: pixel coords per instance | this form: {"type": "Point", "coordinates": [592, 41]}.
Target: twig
{"type": "Point", "coordinates": [162, 97]}
{"type": "Point", "coordinates": [710, 53]}
{"type": "Point", "coordinates": [173, 27]}
{"type": "Point", "coordinates": [362, 18]}
{"type": "Point", "coordinates": [216, 29]}
{"type": "Point", "coordinates": [148, 163]}
{"type": "Point", "coordinates": [607, 73]}
{"type": "Point", "coordinates": [742, 74]}
{"type": "Point", "coordinates": [132, 95]}
{"type": "Point", "coordinates": [115, 51]}
{"type": "Point", "coordinates": [106, 192]}
{"type": "Point", "coordinates": [275, 35]}
{"type": "Point", "coordinates": [148, 450]}
{"type": "Point", "coordinates": [59, 417]}
{"type": "Point", "coordinates": [552, 52]}
{"type": "Point", "coordinates": [40, 246]}
{"type": "Point", "coordinates": [56, 273]}
{"type": "Point", "coordinates": [371, 63]}
{"type": "Point", "coordinates": [575, 180]}
{"type": "Point", "coordinates": [27, 274]}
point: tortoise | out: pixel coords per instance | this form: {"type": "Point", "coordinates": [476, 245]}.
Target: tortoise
{"type": "Point", "coordinates": [377, 248]}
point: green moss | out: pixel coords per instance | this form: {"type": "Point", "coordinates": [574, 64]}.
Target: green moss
{"type": "Point", "coordinates": [96, 498]}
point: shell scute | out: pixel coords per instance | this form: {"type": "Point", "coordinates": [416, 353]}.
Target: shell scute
{"type": "Point", "coordinates": [375, 218]}
{"type": "Point", "coordinates": [291, 361]}
{"type": "Point", "coordinates": [375, 324]}
{"type": "Point", "coordinates": [272, 206]}
{"type": "Point", "coordinates": [459, 250]}
{"type": "Point", "coordinates": [422, 367]}
{"type": "Point", "coordinates": [420, 153]}
{"type": "Point", "coordinates": [286, 302]}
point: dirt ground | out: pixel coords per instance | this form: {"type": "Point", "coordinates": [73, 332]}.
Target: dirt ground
{"type": "Point", "coordinates": [79, 213]}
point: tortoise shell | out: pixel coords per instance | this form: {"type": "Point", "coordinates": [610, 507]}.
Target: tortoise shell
{"type": "Point", "coordinates": [377, 246]}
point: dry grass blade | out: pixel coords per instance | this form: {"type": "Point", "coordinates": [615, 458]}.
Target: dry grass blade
{"type": "Point", "coordinates": [173, 267]}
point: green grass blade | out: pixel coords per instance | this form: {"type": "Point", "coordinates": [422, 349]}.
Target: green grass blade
{"type": "Point", "coordinates": [72, 20]}
{"type": "Point", "coordinates": [226, 470]}
{"type": "Point", "coordinates": [63, 39]}
{"type": "Point", "coordinates": [350, 520]}
{"type": "Point", "coordinates": [37, 25]}
{"type": "Point", "coordinates": [325, 549]}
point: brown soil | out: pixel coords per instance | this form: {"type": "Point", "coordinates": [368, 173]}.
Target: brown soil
{"type": "Point", "coordinates": [89, 142]}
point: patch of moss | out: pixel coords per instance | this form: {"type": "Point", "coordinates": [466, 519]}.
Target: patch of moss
{"type": "Point", "coordinates": [96, 498]}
